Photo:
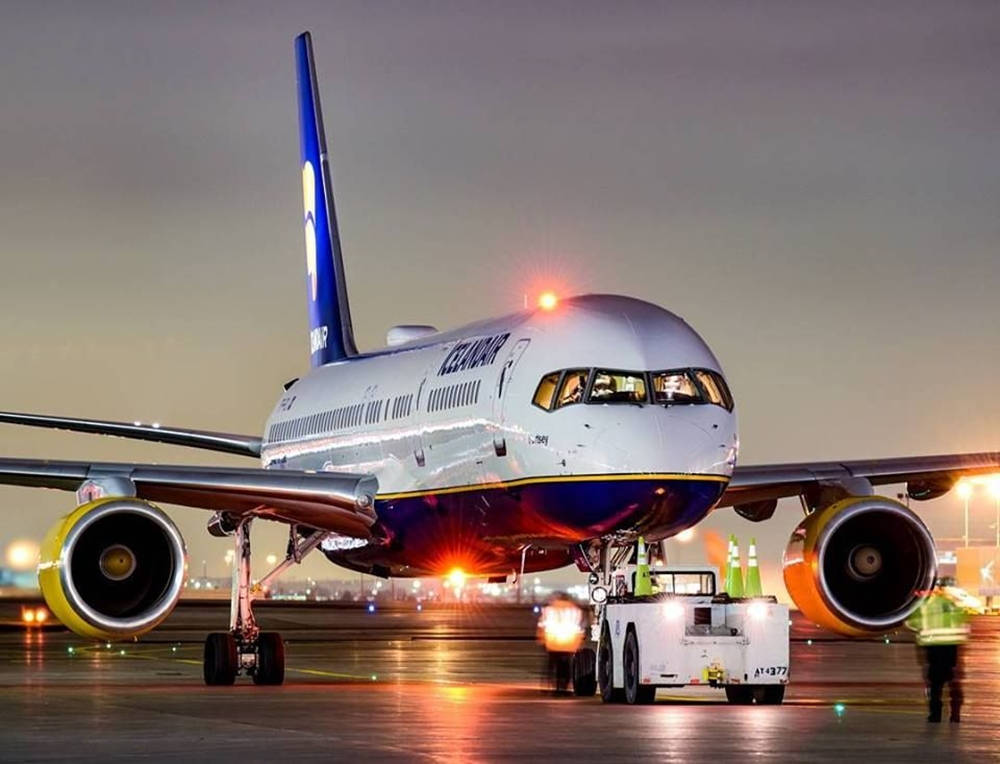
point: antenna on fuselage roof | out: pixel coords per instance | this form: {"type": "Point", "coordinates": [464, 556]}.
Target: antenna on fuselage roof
{"type": "Point", "coordinates": [331, 334]}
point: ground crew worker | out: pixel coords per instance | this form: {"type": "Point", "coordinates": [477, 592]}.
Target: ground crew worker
{"type": "Point", "coordinates": [942, 630]}
{"type": "Point", "coordinates": [560, 631]}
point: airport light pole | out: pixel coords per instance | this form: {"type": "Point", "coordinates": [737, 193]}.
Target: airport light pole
{"type": "Point", "coordinates": [995, 490]}
{"type": "Point", "coordinates": [965, 492]}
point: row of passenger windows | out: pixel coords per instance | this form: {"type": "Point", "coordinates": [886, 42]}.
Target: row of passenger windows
{"type": "Point", "coordinates": [452, 396]}
{"type": "Point", "coordinates": [372, 412]}
{"type": "Point", "coordinates": [341, 418]}
{"type": "Point", "coordinates": [667, 388]}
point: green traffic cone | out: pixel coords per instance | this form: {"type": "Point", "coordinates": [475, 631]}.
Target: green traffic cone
{"type": "Point", "coordinates": [727, 584]}
{"type": "Point", "coordinates": [736, 588]}
{"type": "Point", "coordinates": [754, 588]}
{"type": "Point", "coordinates": [643, 579]}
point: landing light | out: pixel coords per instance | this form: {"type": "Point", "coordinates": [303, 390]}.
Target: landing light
{"type": "Point", "coordinates": [548, 301]}
{"type": "Point", "coordinates": [457, 578]}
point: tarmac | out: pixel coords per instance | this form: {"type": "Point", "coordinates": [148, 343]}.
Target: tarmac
{"type": "Point", "coordinates": [459, 683]}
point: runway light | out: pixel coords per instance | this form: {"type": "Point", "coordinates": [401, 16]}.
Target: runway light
{"type": "Point", "coordinates": [536, 609]}
{"type": "Point", "coordinates": [419, 607]}
{"type": "Point", "coordinates": [71, 650]}
{"type": "Point", "coordinates": [371, 607]}
{"type": "Point", "coordinates": [121, 652]}
{"type": "Point", "coordinates": [839, 708]}
{"type": "Point", "coordinates": [809, 642]}
{"type": "Point", "coordinates": [685, 535]}
{"type": "Point", "coordinates": [887, 640]}
{"type": "Point", "coordinates": [548, 301]}
{"type": "Point", "coordinates": [374, 677]}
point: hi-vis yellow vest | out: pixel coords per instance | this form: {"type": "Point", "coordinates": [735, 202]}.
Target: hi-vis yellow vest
{"type": "Point", "coordinates": [939, 621]}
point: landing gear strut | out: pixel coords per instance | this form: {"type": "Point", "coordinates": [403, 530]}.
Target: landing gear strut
{"type": "Point", "coordinates": [245, 649]}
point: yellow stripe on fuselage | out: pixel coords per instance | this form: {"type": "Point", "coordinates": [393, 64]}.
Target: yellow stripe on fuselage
{"type": "Point", "coordinates": [551, 479]}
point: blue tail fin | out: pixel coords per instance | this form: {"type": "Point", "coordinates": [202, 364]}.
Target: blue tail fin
{"type": "Point", "coordinates": [331, 336]}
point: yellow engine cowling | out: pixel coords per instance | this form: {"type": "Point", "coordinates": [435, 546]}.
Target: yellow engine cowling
{"type": "Point", "coordinates": [112, 568]}
{"type": "Point", "coordinates": [860, 566]}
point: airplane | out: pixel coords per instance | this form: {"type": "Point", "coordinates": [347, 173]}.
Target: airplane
{"type": "Point", "coordinates": [552, 436]}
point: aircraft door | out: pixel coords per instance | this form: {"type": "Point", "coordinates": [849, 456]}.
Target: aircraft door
{"type": "Point", "coordinates": [500, 396]}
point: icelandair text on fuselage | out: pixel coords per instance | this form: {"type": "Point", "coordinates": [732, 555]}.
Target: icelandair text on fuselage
{"type": "Point", "coordinates": [472, 353]}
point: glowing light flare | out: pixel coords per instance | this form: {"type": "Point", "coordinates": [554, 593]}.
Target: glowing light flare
{"type": "Point", "coordinates": [456, 578]}
{"type": "Point", "coordinates": [686, 535]}
{"type": "Point", "coordinates": [757, 611]}
{"type": "Point", "coordinates": [964, 489]}
{"type": "Point", "coordinates": [562, 628]}
{"type": "Point", "coordinates": [22, 555]}
{"type": "Point", "coordinates": [673, 610]}
{"type": "Point", "coordinates": [994, 487]}
{"type": "Point", "coordinates": [548, 300]}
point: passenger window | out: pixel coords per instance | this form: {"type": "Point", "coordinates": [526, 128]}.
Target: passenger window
{"type": "Point", "coordinates": [573, 386]}
{"type": "Point", "coordinates": [546, 391]}
{"type": "Point", "coordinates": [715, 388]}
{"type": "Point", "coordinates": [618, 387]}
{"type": "Point", "coordinates": [675, 387]}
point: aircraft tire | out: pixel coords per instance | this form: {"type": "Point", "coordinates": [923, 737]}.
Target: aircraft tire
{"type": "Point", "coordinates": [270, 659]}
{"type": "Point", "coordinates": [220, 661]}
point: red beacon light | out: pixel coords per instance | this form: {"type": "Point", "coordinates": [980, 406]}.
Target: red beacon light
{"type": "Point", "coordinates": [548, 301]}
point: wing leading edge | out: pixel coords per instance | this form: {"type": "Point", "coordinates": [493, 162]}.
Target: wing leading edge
{"type": "Point", "coordinates": [925, 476]}
{"type": "Point", "coordinates": [241, 445]}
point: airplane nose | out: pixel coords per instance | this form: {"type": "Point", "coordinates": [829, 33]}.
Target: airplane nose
{"type": "Point", "coordinates": [664, 442]}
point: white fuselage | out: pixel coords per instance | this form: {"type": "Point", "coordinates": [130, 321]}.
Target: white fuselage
{"type": "Point", "coordinates": [454, 411]}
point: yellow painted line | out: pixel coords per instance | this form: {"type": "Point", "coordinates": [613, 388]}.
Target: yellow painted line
{"type": "Point", "coordinates": [644, 476]}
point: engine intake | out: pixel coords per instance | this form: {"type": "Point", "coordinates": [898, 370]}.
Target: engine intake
{"type": "Point", "coordinates": [113, 568]}
{"type": "Point", "coordinates": [860, 566]}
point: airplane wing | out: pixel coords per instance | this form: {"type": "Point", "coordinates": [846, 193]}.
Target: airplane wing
{"type": "Point", "coordinates": [755, 489]}
{"type": "Point", "coordinates": [242, 445]}
{"type": "Point", "coordinates": [338, 502]}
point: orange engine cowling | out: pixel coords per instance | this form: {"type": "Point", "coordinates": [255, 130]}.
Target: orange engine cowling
{"type": "Point", "coordinates": [860, 566]}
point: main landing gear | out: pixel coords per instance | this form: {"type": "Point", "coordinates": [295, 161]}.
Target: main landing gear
{"type": "Point", "coordinates": [244, 649]}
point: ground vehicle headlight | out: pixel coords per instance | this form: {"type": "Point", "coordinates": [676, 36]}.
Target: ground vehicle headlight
{"type": "Point", "coordinates": [673, 610]}
{"type": "Point", "coordinates": [757, 610]}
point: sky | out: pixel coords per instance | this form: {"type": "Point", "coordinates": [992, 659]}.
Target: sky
{"type": "Point", "coordinates": [813, 186]}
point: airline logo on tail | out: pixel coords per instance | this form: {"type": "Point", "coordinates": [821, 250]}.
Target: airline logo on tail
{"type": "Point", "coordinates": [309, 204]}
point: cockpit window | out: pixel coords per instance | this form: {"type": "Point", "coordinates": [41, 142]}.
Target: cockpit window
{"type": "Point", "coordinates": [574, 384]}
{"type": "Point", "coordinates": [675, 388]}
{"type": "Point", "coordinates": [618, 387]}
{"type": "Point", "coordinates": [546, 390]}
{"type": "Point", "coordinates": [715, 388]}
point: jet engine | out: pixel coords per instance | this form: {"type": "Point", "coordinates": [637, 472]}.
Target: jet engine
{"type": "Point", "coordinates": [860, 566]}
{"type": "Point", "coordinates": [112, 568]}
